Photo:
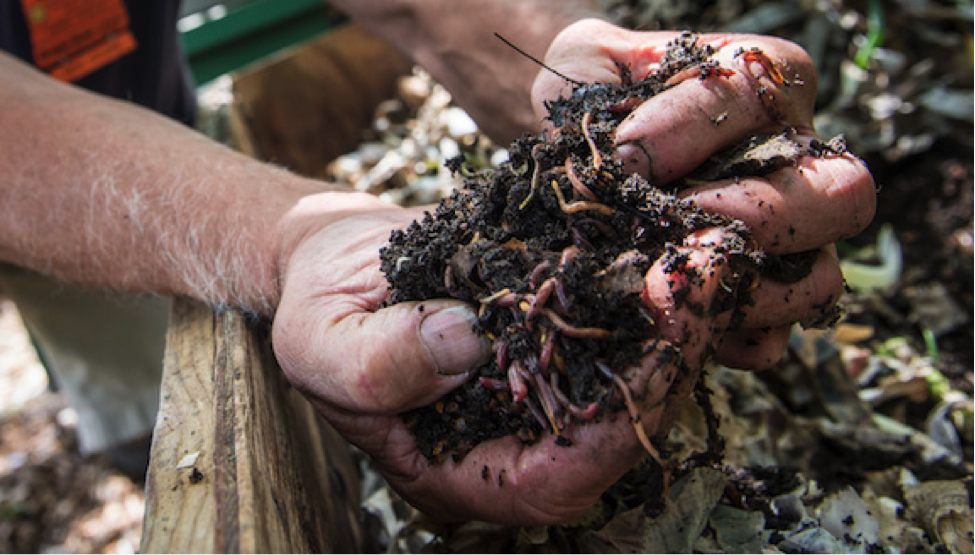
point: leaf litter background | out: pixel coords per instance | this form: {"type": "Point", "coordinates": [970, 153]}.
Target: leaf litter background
{"type": "Point", "coordinates": [860, 440]}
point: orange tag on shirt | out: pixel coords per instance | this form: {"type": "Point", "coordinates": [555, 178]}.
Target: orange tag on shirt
{"type": "Point", "coordinates": [72, 38]}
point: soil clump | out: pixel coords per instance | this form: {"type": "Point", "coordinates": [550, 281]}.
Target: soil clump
{"type": "Point", "coordinates": [553, 248]}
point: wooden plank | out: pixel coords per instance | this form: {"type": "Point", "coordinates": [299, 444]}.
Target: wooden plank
{"type": "Point", "coordinates": [305, 108]}
{"type": "Point", "coordinates": [271, 476]}
{"type": "Point", "coordinates": [179, 514]}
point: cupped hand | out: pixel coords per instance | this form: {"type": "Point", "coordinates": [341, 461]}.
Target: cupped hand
{"type": "Point", "coordinates": [773, 85]}
{"type": "Point", "coordinates": [362, 365]}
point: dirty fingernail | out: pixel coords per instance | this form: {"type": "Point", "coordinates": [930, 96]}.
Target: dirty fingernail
{"type": "Point", "coordinates": [634, 159]}
{"type": "Point", "coordinates": [449, 338]}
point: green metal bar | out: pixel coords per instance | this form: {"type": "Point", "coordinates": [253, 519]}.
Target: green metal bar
{"type": "Point", "coordinates": [251, 32]}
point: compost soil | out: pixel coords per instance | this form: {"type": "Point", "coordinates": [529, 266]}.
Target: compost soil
{"type": "Point", "coordinates": [553, 247]}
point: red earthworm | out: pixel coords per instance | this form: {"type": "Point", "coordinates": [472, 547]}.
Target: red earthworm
{"type": "Point", "coordinates": [587, 413]}
{"type": "Point", "coordinates": [516, 381]}
{"type": "Point", "coordinates": [702, 71]}
{"type": "Point", "coordinates": [509, 299]}
{"type": "Point", "coordinates": [634, 411]}
{"type": "Point", "coordinates": [550, 405]}
{"type": "Point", "coordinates": [494, 384]}
{"type": "Point", "coordinates": [548, 346]}
{"type": "Point", "coordinates": [577, 184]}
{"type": "Point", "coordinates": [501, 355]}
{"type": "Point", "coordinates": [572, 331]}
{"type": "Point", "coordinates": [580, 205]}
{"type": "Point", "coordinates": [534, 182]}
{"type": "Point", "coordinates": [755, 54]}
{"type": "Point", "coordinates": [597, 158]}
{"type": "Point", "coordinates": [578, 238]}
{"type": "Point", "coordinates": [568, 253]}
{"type": "Point", "coordinates": [561, 295]}
{"type": "Point", "coordinates": [625, 105]}
{"type": "Point", "coordinates": [537, 273]}
{"type": "Point", "coordinates": [533, 409]}
{"type": "Point", "coordinates": [541, 297]}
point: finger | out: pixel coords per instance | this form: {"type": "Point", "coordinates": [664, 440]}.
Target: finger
{"type": "Point", "coordinates": [819, 201]}
{"type": "Point", "coordinates": [506, 482]}
{"type": "Point", "coordinates": [775, 303]}
{"type": "Point", "coordinates": [674, 132]}
{"type": "Point", "coordinates": [753, 348]}
{"type": "Point", "coordinates": [388, 361]}
{"type": "Point", "coordinates": [588, 51]}
{"type": "Point", "coordinates": [681, 290]}
{"type": "Point", "coordinates": [764, 331]}
{"type": "Point", "coordinates": [681, 284]}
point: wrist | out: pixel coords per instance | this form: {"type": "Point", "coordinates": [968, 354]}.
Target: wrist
{"type": "Point", "coordinates": [307, 217]}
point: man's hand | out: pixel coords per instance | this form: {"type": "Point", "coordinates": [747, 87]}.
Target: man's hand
{"type": "Point", "coordinates": [806, 207]}
{"type": "Point", "coordinates": [362, 365]}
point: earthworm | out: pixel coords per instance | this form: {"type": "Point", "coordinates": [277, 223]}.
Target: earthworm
{"type": "Point", "coordinates": [577, 184]}
{"type": "Point", "coordinates": [755, 54]}
{"type": "Point", "coordinates": [516, 380]}
{"type": "Point", "coordinates": [572, 331]}
{"type": "Point", "coordinates": [544, 292]}
{"type": "Point", "coordinates": [603, 228]}
{"type": "Point", "coordinates": [634, 411]}
{"type": "Point", "coordinates": [578, 238]}
{"type": "Point", "coordinates": [534, 182]}
{"type": "Point", "coordinates": [494, 384]}
{"type": "Point", "coordinates": [541, 297]}
{"type": "Point", "coordinates": [537, 272]}
{"type": "Point", "coordinates": [568, 253]}
{"type": "Point", "coordinates": [597, 158]}
{"type": "Point", "coordinates": [702, 71]}
{"type": "Point", "coordinates": [587, 413]}
{"type": "Point", "coordinates": [501, 356]}
{"type": "Point", "coordinates": [561, 295]}
{"type": "Point", "coordinates": [509, 299]}
{"type": "Point", "coordinates": [548, 346]}
{"type": "Point", "coordinates": [625, 105]}
{"type": "Point", "coordinates": [533, 409]}
{"type": "Point", "coordinates": [580, 205]}
{"type": "Point", "coordinates": [550, 405]}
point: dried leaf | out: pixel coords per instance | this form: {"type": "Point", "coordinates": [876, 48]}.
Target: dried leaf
{"type": "Point", "coordinates": [943, 509]}
{"type": "Point", "coordinates": [675, 531]}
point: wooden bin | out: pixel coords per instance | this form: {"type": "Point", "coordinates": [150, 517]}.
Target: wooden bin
{"type": "Point", "coordinates": [240, 462]}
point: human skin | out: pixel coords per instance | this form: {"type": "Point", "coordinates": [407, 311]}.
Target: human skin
{"type": "Point", "coordinates": [806, 207]}
{"type": "Point", "coordinates": [102, 192]}
{"type": "Point", "coordinates": [545, 483]}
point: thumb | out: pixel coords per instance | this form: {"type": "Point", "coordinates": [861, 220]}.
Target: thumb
{"type": "Point", "coordinates": [388, 361]}
{"type": "Point", "coordinates": [447, 334]}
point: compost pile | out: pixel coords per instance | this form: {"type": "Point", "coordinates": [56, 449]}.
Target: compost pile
{"type": "Point", "coordinates": [553, 247]}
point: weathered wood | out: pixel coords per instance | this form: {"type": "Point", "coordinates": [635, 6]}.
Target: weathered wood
{"type": "Point", "coordinates": [270, 476]}
{"type": "Point", "coordinates": [310, 105]}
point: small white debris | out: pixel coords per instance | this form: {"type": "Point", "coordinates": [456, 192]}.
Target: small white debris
{"type": "Point", "coordinates": [188, 461]}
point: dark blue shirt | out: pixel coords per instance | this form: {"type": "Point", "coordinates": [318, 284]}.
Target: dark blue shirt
{"type": "Point", "coordinates": [154, 75]}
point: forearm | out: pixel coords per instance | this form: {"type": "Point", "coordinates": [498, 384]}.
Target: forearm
{"type": "Point", "coordinates": [455, 42]}
{"type": "Point", "coordinates": [103, 192]}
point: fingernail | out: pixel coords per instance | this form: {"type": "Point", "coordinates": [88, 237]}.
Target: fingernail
{"type": "Point", "coordinates": [634, 159]}
{"type": "Point", "coordinates": [453, 345]}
